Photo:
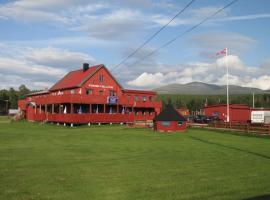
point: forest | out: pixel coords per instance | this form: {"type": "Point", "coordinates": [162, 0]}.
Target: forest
{"type": "Point", "coordinates": [9, 98]}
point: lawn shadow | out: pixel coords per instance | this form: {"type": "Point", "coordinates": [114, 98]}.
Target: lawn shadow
{"type": "Point", "coordinates": [230, 147]}
{"type": "Point", "coordinates": [262, 197]}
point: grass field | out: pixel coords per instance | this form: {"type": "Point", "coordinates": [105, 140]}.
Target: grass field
{"type": "Point", "coordinates": [51, 162]}
{"type": "Point", "coordinates": [4, 119]}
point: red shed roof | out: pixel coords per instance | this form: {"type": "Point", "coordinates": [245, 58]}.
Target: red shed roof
{"type": "Point", "coordinates": [75, 78]}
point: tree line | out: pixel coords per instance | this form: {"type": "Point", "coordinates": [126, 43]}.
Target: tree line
{"type": "Point", "coordinates": [9, 98]}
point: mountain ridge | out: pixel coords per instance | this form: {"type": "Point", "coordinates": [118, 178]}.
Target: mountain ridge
{"type": "Point", "coordinates": [200, 88]}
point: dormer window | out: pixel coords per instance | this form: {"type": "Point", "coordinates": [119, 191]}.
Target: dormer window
{"type": "Point", "coordinates": [101, 78]}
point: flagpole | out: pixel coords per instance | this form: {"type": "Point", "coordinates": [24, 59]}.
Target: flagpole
{"type": "Point", "coordinates": [228, 104]}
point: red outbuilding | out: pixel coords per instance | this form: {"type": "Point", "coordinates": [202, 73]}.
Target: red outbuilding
{"type": "Point", "coordinates": [170, 120]}
{"type": "Point", "coordinates": [238, 113]}
{"type": "Point", "coordinates": [90, 95]}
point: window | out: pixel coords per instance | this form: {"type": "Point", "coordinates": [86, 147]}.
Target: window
{"type": "Point", "coordinates": [180, 123]}
{"type": "Point", "coordinates": [165, 123]}
{"type": "Point", "coordinates": [150, 98]}
{"type": "Point", "coordinates": [112, 93]}
{"type": "Point", "coordinates": [72, 91]}
{"type": "Point", "coordinates": [144, 98]}
{"type": "Point", "coordinates": [101, 92]}
{"type": "Point", "coordinates": [101, 78]}
{"type": "Point", "coordinates": [136, 98]}
{"type": "Point", "coordinates": [89, 91]}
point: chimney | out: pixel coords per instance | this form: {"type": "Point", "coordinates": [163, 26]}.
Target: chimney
{"type": "Point", "coordinates": [85, 67]}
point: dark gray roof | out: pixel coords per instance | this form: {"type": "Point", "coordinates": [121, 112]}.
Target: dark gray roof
{"type": "Point", "coordinates": [169, 114]}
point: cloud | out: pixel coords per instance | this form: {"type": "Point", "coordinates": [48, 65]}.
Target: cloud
{"type": "Point", "coordinates": [117, 24]}
{"type": "Point", "coordinates": [245, 17]}
{"type": "Point", "coordinates": [214, 72]}
{"type": "Point", "coordinates": [147, 79]}
{"type": "Point", "coordinates": [211, 42]}
{"type": "Point", "coordinates": [38, 67]}
{"type": "Point", "coordinates": [57, 58]}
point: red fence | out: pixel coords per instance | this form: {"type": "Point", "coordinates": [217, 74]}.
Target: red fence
{"type": "Point", "coordinates": [86, 118]}
{"type": "Point", "coordinates": [92, 99]}
{"type": "Point", "coordinates": [240, 127]}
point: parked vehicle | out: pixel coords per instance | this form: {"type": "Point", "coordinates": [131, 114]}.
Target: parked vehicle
{"type": "Point", "coordinates": [201, 119]}
{"type": "Point", "coordinates": [214, 119]}
{"type": "Point", "coordinates": [262, 117]}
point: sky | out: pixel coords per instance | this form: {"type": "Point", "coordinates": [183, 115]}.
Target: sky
{"type": "Point", "coordinates": [40, 41]}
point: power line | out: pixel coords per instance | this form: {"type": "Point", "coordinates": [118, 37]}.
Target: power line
{"type": "Point", "coordinates": [152, 36]}
{"type": "Point", "coordinates": [185, 32]}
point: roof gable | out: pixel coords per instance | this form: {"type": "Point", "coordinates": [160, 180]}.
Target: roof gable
{"type": "Point", "coordinates": [169, 114]}
{"type": "Point", "coordinates": [77, 78]}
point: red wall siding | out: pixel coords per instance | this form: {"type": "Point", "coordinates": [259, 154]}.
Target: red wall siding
{"type": "Point", "coordinates": [22, 104]}
{"type": "Point", "coordinates": [172, 127]}
{"type": "Point", "coordinates": [108, 82]}
{"type": "Point", "coordinates": [238, 113]}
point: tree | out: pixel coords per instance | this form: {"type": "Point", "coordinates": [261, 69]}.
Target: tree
{"type": "Point", "coordinates": [23, 91]}
{"type": "Point", "coordinates": [13, 98]}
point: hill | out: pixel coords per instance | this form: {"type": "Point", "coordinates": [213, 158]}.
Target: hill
{"type": "Point", "coordinates": [199, 88]}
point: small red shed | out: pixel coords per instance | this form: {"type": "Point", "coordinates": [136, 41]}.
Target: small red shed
{"type": "Point", "coordinates": [170, 120]}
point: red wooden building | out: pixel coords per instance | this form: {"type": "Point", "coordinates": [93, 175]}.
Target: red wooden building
{"type": "Point", "coordinates": [169, 120]}
{"type": "Point", "coordinates": [90, 95]}
{"type": "Point", "coordinates": [238, 113]}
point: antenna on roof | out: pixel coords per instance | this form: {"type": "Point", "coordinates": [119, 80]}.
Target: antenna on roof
{"type": "Point", "coordinates": [85, 66]}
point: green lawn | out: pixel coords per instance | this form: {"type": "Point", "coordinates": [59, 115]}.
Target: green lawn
{"type": "Point", "coordinates": [52, 162]}
{"type": "Point", "coordinates": [4, 119]}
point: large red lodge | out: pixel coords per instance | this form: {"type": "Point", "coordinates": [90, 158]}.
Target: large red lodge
{"type": "Point", "coordinates": [90, 95]}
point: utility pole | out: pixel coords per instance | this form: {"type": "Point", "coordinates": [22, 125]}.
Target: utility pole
{"type": "Point", "coordinates": [253, 101]}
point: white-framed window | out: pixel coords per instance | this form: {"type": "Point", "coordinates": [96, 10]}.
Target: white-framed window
{"type": "Point", "coordinates": [165, 123]}
{"type": "Point", "coordinates": [101, 78]}
{"type": "Point", "coordinates": [179, 123]}
{"type": "Point", "coordinates": [89, 91]}
{"type": "Point", "coordinates": [144, 98]}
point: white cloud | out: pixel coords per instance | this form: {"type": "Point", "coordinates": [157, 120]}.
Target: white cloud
{"type": "Point", "coordinates": [56, 57]}
{"type": "Point", "coordinates": [245, 17]}
{"type": "Point", "coordinates": [215, 73]}
{"type": "Point", "coordinates": [146, 79]}
{"type": "Point", "coordinates": [262, 82]}
{"type": "Point", "coordinates": [16, 66]}
{"type": "Point", "coordinates": [211, 42]}
{"type": "Point", "coordinates": [38, 67]}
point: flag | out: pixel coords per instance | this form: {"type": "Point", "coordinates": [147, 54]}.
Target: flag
{"type": "Point", "coordinates": [97, 109]}
{"type": "Point", "coordinates": [65, 110]}
{"type": "Point", "coordinates": [123, 110]}
{"type": "Point", "coordinates": [80, 91]}
{"type": "Point", "coordinates": [223, 52]}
